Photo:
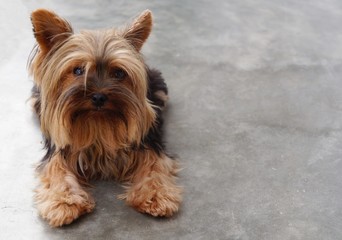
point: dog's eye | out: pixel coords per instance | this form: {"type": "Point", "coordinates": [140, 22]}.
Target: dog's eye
{"type": "Point", "coordinates": [118, 73]}
{"type": "Point", "coordinates": [78, 71]}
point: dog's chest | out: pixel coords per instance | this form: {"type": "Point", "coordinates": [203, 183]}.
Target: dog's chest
{"type": "Point", "coordinates": [94, 163]}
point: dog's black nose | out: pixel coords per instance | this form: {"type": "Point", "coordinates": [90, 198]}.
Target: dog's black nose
{"type": "Point", "coordinates": [98, 99]}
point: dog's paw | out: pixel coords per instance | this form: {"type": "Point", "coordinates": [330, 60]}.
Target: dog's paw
{"type": "Point", "coordinates": [62, 212]}
{"type": "Point", "coordinates": [162, 201]}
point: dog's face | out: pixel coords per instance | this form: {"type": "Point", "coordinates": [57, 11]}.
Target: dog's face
{"type": "Point", "coordinates": [93, 84]}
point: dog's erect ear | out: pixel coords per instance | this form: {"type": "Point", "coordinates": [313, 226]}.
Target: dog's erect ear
{"type": "Point", "coordinates": [49, 29]}
{"type": "Point", "coordinates": [139, 30]}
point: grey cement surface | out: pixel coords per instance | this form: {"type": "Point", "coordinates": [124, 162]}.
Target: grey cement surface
{"type": "Point", "coordinates": [255, 116]}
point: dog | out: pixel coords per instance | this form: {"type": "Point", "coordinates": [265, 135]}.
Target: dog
{"type": "Point", "coordinates": [100, 112]}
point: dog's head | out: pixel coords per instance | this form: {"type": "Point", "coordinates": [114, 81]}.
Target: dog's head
{"type": "Point", "coordinates": [93, 86]}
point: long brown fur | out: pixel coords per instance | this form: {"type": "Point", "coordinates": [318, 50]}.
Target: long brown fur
{"type": "Point", "coordinates": [86, 142]}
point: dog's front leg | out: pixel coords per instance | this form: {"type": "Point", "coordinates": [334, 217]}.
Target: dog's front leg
{"type": "Point", "coordinates": [59, 197]}
{"type": "Point", "coordinates": [153, 188]}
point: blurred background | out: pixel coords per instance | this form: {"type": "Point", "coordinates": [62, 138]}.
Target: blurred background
{"type": "Point", "coordinates": [255, 115]}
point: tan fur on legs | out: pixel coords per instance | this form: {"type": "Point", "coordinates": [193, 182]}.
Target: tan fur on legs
{"type": "Point", "coordinates": [153, 188]}
{"type": "Point", "coordinates": [60, 199]}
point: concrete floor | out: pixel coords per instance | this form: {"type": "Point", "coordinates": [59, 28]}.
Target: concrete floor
{"type": "Point", "coordinates": [255, 116]}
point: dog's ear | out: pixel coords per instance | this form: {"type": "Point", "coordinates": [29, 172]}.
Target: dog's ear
{"type": "Point", "coordinates": [49, 29]}
{"type": "Point", "coordinates": [137, 32]}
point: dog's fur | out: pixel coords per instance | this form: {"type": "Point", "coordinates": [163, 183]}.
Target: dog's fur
{"type": "Point", "coordinates": [99, 108]}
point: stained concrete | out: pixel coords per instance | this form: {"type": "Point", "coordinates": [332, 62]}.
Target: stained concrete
{"type": "Point", "coordinates": [255, 116]}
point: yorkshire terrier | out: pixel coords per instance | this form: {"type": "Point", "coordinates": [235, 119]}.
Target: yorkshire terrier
{"type": "Point", "coordinates": [99, 107]}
